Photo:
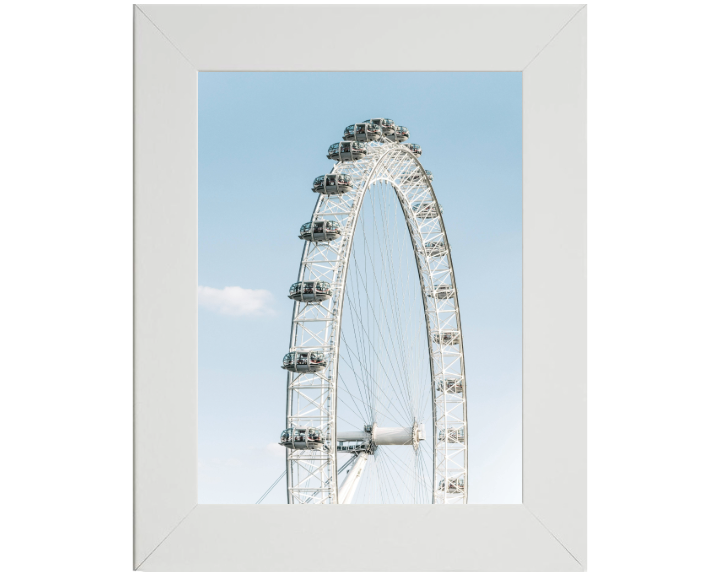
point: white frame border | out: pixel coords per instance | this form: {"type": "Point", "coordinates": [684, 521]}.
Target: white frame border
{"type": "Point", "coordinates": [547, 532]}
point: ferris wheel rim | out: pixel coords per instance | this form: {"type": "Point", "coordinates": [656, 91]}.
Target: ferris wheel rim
{"type": "Point", "coordinates": [372, 176]}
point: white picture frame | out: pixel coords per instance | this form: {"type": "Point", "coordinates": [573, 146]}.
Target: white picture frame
{"type": "Point", "coordinates": [547, 532]}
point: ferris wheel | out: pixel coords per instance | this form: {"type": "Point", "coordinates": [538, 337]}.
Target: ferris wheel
{"type": "Point", "coordinates": [376, 390]}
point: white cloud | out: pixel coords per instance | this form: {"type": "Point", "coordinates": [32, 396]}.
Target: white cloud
{"type": "Point", "coordinates": [236, 301]}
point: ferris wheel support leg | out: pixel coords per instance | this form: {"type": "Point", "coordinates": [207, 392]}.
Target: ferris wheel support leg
{"type": "Point", "coordinates": [352, 480]}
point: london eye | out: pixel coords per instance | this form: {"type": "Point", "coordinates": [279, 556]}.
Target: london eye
{"type": "Point", "coordinates": [376, 393]}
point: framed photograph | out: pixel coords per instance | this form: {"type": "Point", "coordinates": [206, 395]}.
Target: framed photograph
{"type": "Point", "coordinates": [386, 423]}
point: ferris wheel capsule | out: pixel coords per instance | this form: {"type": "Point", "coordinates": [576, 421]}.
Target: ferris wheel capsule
{"type": "Point", "coordinates": [332, 184]}
{"type": "Point", "coordinates": [313, 361]}
{"type": "Point", "coordinates": [442, 291]}
{"type": "Point", "coordinates": [342, 151]}
{"type": "Point", "coordinates": [450, 385]}
{"type": "Point", "coordinates": [446, 337]}
{"type": "Point", "coordinates": [453, 435]}
{"type": "Point", "coordinates": [320, 231]}
{"type": "Point", "coordinates": [302, 438]}
{"type": "Point", "coordinates": [400, 135]}
{"type": "Point", "coordinates": [416, 175]}
{"type": "Point", "coordinates": [363, 132]}
{"type": "Point", "coordinates": [387, 125]}
{"type": "Point", "coordinates": [414, 148]}
{"type": "Point", "coordinates": [454, 485]}
{"type": "Point", "coordinates": [436, 248]}
{"type": "Point", "coordinates": [426, 210]}
{"type": "Point", "coordinates": [310, 291]}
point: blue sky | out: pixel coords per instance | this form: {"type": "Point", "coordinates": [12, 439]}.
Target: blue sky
{"type": "Point", "coordinates": [262, 139]}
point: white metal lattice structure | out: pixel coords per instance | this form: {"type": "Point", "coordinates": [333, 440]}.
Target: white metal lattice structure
{"type": "Point", "coordinates": [430, 362]}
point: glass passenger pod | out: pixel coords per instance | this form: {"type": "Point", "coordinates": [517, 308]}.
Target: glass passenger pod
{"type": "Point", "coordinates": [320, 231]}
{"type": "Point", "coordinates": [387, 125]}
{"type": "Point", "coordinates": [450, 385]}
{"type": "Point", "coordinates": [415, 149]}
{"type": "Point", "coordinates": [446, 337]}
{"type": "Point", "coordinates": [302, 362]}
{"type": "Point", "coordinates": [443, 291]}
{"type": "Point", "coordinates": [332, 184]}
{"type": "Point", "coordinates": [453, 435]}
{"type": "Point", "coordinates": [401, 134]}
{"type": "Point", "coordinates": [342, 151]}
{"type": "Point", "coordinates": [310, 291]}
{"type": "Point", "coordinates": [417, 175]}
{"type": "Point", "coordinates": [426, 209]}
{"type": "Point", "coordinates": [454, 485]}
{"type": "Point", "coordinates": [364, 132]}
{"type": "Point", "coordinates": [436, 248]}
{"type": "Point", "coordinates": [302, 438]}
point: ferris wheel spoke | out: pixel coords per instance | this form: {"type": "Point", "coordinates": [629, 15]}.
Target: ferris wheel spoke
{"type": "Point", "coordinates": [392, 488]}
{"type": "Point", "coordinates": [391, 287]}
{"type": "Point", "coordinates": [371, 377]}
{"type": "Point", "coordinates": [355, 308]}
{"type": "Point", "coordinates": [365, 406]}
{"type": "Point", "coordinates": [356, 303]}
{"type": "Point", "coordinates": [398, 478]}
{"type": "Point", "coordinates": [375, 326]}
{"type": "Point", "coordinates": [398, 462]}
{"type": "Point", "coordinates": [396, 418]}
{"type": "Point", "coordinates": [361, 341]}
{"type": "Point", "coordinates": [380, 363]}
{"type": "Point", "coordinates": [425, 470]}
{"type": "Point", "coordinates": [391, 290]}
{"type": "Point", "coordinates": [358, 379]}
{"type": "Point", "coordinates": [361, 418]}
{"type": "Point", "coordinates": [413, 361]}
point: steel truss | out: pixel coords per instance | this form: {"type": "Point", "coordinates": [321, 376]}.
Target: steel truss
{"type": "Point", "coordinates": [312, 475]}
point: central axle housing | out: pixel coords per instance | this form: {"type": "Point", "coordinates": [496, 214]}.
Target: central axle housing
{"type": "Point", "coordinates": [385, 436]}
